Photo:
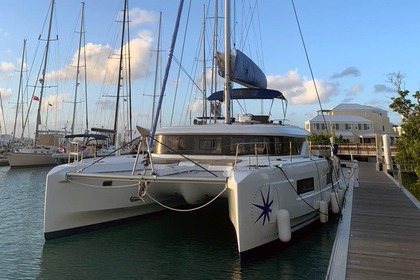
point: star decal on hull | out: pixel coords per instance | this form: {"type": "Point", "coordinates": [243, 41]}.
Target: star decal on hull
{"type": "Point", "coordinates": [265, 207]}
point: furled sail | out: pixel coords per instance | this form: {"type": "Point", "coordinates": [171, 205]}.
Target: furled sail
{"type": "Point", "coordinates": [244, 71]}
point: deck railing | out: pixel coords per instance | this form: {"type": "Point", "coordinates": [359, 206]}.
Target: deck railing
{"type": "Point", "coordinates": [363, 149]}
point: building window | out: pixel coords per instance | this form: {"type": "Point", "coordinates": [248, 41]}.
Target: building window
{"type": "Point", "coordinates": [358, 126]}
{"type": "Point", "coordinates": [323, 126]}
{"type": "Point", "coordinates": [336, 126]}
{"type": "Point", "coordinates": [316, 126]}
{"type": "Point", "coordinates": [307, 126]}
{"type": "Point", "coordinates": [366, 126]}
{"type": "Point", "coordinates": [347, 126]}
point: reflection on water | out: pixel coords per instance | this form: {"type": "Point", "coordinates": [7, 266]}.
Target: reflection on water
{"type": "Point", "coordinates": [195, 245]}
{"type": "Point", "coordinates": [168, 246]}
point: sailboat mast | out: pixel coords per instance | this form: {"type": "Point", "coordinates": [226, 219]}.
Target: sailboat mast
{"type": "Point", "coordinates": [2, 113]}
{"type": "Point", "coordinates": [120, 72]}
{"type": "Point", "coordinates": [157, 67]}
{"type": "Point", "coordinates": [19, 91]}
{"type": "Point", "coordinates": [42, 80]}
{"type": "Point", "coordinates": [78, 66]}
{"type": "Point", "coordinates": [166, 74]}
{"type": "Point", "coordinates": [214, 71]}
{"type": "Point", "coordinates": [204, 113]}
{"type": "Point", "coordinates": [227, 85]}
{"type": "Point", "coordinates": [130, 115]}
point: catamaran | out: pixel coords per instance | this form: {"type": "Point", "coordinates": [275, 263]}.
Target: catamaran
{"type": "Point", "coordinates": [261, 168]}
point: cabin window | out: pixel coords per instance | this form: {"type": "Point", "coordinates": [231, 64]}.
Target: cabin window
{"type": "Point", "coordinates": [228, 145]}
{"type": "Point", "coordinates": [305, 185]}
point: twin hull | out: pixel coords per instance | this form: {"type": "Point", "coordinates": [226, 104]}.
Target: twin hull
{"type": "Point", "coordinates": [75, 204]}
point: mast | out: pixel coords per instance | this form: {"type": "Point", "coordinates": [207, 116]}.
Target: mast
{"type": "Point", "coordinates": [130, 120]}
{"type": "Point", "coordinates": [204, 114]}
{"type": "Point", "coordinates": [157, 66]}
{"type": "Point", "coordinates": [19, 91]}
{"type": "Point", "coordinates": [2, 113]}
{"type": "Point", "coordinates": [120, 72]}
{"type": "Point", "coordinates": [214, 71]}
{"type": "Point", "coordinates": [42, 80]}
{"type": "Point", "coordinates": [81, 31]}
{"type": "Point", "coordinates": [166, 74]}
{"type": "Point", "coordinates": [227, 85]}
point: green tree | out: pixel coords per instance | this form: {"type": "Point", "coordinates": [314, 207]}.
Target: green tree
{"type": "Point", "coordinates": [408, 144]}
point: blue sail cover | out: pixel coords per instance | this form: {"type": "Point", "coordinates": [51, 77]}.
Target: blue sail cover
{"type": "Point", "coordinates": [248, 93]}
{"type": "Point", "coordinates": [244, 71]}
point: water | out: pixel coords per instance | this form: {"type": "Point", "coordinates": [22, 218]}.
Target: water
{"type": "Point", "coordinates": [196, 245]}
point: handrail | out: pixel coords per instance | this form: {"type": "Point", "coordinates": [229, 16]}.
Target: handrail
{"type": "Point", "coordinates": [255, 144]}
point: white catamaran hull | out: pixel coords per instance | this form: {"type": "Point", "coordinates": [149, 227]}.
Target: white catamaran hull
{"type": "Point", "coordinates": [75, 202]}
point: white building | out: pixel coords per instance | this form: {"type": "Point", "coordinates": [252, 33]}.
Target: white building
{"type": "Point", "coordinates": [358, 123]}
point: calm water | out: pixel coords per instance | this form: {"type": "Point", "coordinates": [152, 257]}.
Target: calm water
{"type": "Point", "coordinates": [197, 245]}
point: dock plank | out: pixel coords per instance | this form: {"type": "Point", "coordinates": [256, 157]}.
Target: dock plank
{"type": "Point", "coordinates": [385, 230]}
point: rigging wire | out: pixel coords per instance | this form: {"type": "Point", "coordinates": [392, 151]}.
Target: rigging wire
{"type": "Point", "coordinates": [179, 69]}
{"type": "Point", "coordinates": [309, 65]}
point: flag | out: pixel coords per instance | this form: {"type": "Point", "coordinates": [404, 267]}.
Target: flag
{"type": "Point", "coordinates": [36, 98]}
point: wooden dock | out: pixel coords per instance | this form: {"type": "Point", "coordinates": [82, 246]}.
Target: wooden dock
{"type": "Point", "coordinates": [379, 234]}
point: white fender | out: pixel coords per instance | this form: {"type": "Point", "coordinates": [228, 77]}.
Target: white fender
{"type": "Point", "coordinates": [323, 211]}
{"type": "Point", "coordinates": [283, 225]}
{"type": "Point", "coordinates": [335, 202]}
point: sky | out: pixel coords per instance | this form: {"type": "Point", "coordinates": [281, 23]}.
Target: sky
{"type": "Point", "coordinates": [348, 50]}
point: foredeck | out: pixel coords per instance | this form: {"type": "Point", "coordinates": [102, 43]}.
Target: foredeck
{"type": "Point", "coordinates": [379, 236]}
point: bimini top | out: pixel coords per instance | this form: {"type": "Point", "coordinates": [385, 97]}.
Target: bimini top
{"type": "Point", "coordinates": [248, 93]}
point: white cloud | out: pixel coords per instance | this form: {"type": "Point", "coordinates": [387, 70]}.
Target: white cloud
{"type": "Point", "coordinates": [6, 66]}
{"type": "Point", "coordinates": [300, 90]}
{"type": "Point", "coordinates": [56, 101]}
{"type": "Point", "coordinates": [102, 61]}
{"type": "Point", "coordinates": [197, 106]}
{"type": "Point", "coordinates": [139, 16]}
{"type": "Point", "coordinates": [6, 93]}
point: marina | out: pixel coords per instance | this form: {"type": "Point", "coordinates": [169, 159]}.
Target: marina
{"type": "Point", "coordinates": [235, 189]}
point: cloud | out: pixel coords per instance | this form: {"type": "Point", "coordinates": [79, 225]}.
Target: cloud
{"type": "Point", "coordinates": [139, 16]}
{"type": "Point", "coordinates": [383, 88]}
{"type": "Point", "coordinates": [6, 66]}
{"type": "Point", "coordinates": [102, 61]}
{"type": "Point", "coordinates": [54, 102]}
{"type": "Point", "coordinates": [354, 90]}
{"type": "Point", "coordinates": [6, 93]}
{"type": "Point", "coordinates": [300, 90]}
{"type": "Point", "coordinates": [106, 104]}
{"type": "Point", "coordinates": [350, 71]}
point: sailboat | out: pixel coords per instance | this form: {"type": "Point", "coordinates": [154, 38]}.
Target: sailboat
{"type": "Point", "coordinates": [46, 142]}
{"type": "Point", "coordinates": [261, 169]}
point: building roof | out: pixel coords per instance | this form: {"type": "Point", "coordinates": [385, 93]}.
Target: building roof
{"type": "Point", "coordinates": [355, 107]}
{"type": "Point", "coordinates": [340, 119]}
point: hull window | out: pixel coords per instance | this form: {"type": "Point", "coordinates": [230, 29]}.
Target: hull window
{"type": "Point", "coordinates": [305, 185]}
